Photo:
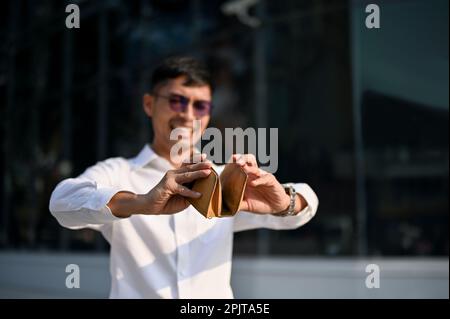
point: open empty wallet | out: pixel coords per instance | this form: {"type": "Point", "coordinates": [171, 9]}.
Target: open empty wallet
{"type": "Point", "coordinates": [221, 194]}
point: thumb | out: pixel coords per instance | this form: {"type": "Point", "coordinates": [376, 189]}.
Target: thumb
{"type": "Point", "coordinates": [263, 180]}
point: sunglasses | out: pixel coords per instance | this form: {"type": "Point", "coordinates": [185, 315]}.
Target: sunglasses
{"type": "Point", "coordinates": [179, 103]}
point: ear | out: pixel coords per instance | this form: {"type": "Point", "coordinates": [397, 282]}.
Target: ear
{"type": "Point", "coordinates": [147, 104]}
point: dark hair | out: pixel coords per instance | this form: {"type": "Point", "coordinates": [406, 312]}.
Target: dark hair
{"type": "Point", "coordinates": [196, 72]}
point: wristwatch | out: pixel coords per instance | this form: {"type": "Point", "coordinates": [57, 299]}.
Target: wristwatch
{"type": "Point", "coordinates": [290, 190]}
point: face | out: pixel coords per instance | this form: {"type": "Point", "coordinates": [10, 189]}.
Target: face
{"type": "Point", "coordinates": [165, 118]}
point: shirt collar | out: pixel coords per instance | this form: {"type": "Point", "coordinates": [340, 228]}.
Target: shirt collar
{"type": "Point", "coordinates": [145, 156]}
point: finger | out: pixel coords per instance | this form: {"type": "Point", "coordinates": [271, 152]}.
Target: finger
{"type": "Point", "coordinates": [186, 192]}
{"type": "Point", "coordinates": [252, 170]}
{"type": "Point", "coordinates": [197, 158]}
{"type": "Point", "coordinates": [263, 172]}
{"type": "Point", "coordinates": [244, 206]}
{"type": "Point", "coordinates": [234, 158]}
{"type": "Point", "coordinates": [263, 180]}
{"type": "Point", "coordinates": [248, 159]}
{"type": "Point", "coordinates": [187, 177]}
{"type": "Point", "coordinates": [193, 167]}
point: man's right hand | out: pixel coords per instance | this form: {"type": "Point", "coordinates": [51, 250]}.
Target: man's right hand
{"type": "Point", "coordinates": [169, 196]}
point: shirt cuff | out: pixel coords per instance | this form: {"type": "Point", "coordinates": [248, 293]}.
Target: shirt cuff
{"type": "Point", "coordinates": [310, 197]}
{"type": "Point", "coordinates": [98, 203]}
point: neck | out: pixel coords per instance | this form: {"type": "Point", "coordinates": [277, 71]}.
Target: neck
{"type": "Point", "coordinates": [163, 150]}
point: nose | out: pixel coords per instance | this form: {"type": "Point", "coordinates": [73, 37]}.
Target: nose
{"type": "Point", "coordinates": [188, 114]}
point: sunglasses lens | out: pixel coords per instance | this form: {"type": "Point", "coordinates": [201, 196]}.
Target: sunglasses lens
{"type": "Point", "coordinates": [202, 108]}
{"type": "Point", "coordinates": [178, 104]}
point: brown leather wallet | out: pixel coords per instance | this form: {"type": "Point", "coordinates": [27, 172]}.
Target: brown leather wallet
{"type": "Point", "coordinates": [221, 194]}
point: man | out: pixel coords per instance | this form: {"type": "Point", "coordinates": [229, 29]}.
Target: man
{"type": "Point", "coordinates": [161, 247]}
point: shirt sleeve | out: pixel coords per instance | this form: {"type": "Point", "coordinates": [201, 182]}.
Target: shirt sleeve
{"type": "Point", "coordinates": [246, 220]}
{"type": "Point", "coordinates": [81, 202]}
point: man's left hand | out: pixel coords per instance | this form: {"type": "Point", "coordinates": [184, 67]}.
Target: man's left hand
{"type": "Point", "coordinates": [263, 193]}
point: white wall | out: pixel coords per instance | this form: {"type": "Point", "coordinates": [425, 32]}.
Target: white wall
{"type": "Point", "coordinates": [340, 278]}
{"type": "Point", "coordinates": [39, 275]}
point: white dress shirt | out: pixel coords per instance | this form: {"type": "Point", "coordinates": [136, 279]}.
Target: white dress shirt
{"type": "Point", "coordinates": [183, 255]}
